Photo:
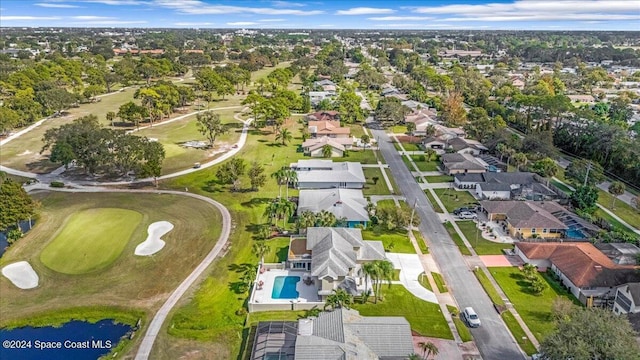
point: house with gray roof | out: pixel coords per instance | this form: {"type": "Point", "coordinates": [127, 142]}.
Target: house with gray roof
{"type": "Point", "coordinates": [348, 204]}
{"type": "Point", "coordinates": [505, 186]}
{"type": "Point", "coordinates": [325, 174]}
{"type": "Point", "coordinates": [627, 300]}
{"type": "Point", "coordinates": [341, 334]}
{"type": "Point", "coordinates": [527, 219]}
{"type": "Point", "coordinates": [456, 163]}
{"type": "Point", "coordinates": [334, 257]}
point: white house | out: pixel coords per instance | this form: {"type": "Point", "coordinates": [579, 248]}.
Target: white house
{"type": "Point", "coordinates": [325, 174]}
{"type": "Point", "coordinates": [627, 299]}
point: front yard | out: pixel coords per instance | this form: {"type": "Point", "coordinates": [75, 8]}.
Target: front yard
{"type": "Point", "coordinates": [453, 199]}
{"type": "Point", "coordinates": [481, 245]}
{"type": "Point", "coordinates": [393, 241]}
{"type": "Point", "coordinates": [361, 156]}
{"type": "Point", "coordinates": [425, 317]}
{"type": "Point", "coordinates": [378, 187]}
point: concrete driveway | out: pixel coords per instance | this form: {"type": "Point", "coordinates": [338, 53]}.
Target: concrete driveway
{"type": "Point", "coordinates": [410, 269]}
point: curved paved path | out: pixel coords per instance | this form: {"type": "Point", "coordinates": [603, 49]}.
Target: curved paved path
{"type": "Point", "coordinates": [156, 324]}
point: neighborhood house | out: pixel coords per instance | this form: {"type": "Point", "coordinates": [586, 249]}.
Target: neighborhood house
{"type": "Point", "coordinates": [325, 174]}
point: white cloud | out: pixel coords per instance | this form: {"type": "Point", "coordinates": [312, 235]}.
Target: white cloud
{"type": "Point", "coordinates": [197, 7]}
{"type": "Point", "coordinates": [365, 11]}
{"type": "Point", "coordinates": [192, 24]}
{"type": "Point", "coordinates": [286, 4]}
{"type": "Point", "coordinates": [28, 18]}
{"type": "Point", "coordinates": [119, 2]}
{"type": "Point", "coordinates": [109, 22]}
{"type": "Point", "coordinates": [60, 6]}
{"type": "Point", "coordinates": [326, 25]}
{"type": "Point", "coordinates": [272, 20]}
{"type": "Point", "coordinates": [538, 10]}
{"type": "Point", "coordinates": [91, 17]}
{"type": "Point", "coordinates": [401, 18]}
{"type": "Point", "coordinates": [242, 23]}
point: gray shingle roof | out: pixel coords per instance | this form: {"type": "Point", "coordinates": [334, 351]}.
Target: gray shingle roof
{"type": "Point", "coordinates": [527, 214]}
{"type": "Point", "coordinates": [493, 186]}
{"type": "Point", "coordinates": [328, 171]}
{"type": "Point", "coordinates": [347, 203]}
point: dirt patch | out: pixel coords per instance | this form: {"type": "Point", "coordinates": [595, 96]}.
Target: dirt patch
{"type": "Point", "coordinates": [409, 139]}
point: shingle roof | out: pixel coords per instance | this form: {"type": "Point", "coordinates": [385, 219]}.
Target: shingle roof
{"type": "Point", "coordinates": [328, 127]}
{"type": "Point", "coordinates": [458, 144]}
{"type": "Point", "coordinates": [317, 143]}
{"type": "Point", "coordinates": [347, 203]}
{"type": "Point", "coordinates": [469, 177]}
{"type": "Point", "coordinates": [339, 172]}
{"type": "Point", "coordinates": [459, 161]}
{"type": "Point", "coordinates": [527, 214]}
{"type": "Point", "coordinates": [493, 186]}
{"type": "Point", "coordinates": [582, 263]}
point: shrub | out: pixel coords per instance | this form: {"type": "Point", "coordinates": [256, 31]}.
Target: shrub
{"type": "Point", "coordinates": [57, 184]}
{"type": "Point", "coordinates": [241, 312]}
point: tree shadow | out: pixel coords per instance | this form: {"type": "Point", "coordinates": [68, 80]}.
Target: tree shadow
{"type": "Point", "coordinates": [275, 145]}
{"type": "Point", "coordinates": [282, 253]}
{"type": "Point", "coordinates": [241, 268]}
{"type": "Point", "coordinates": [259, 132]}
{"type": "Point", "coordinates": [212, 186]}
{"type": "Point", "coordinates": [253, 228]}
{"type": "Point", "coordinates": [238, 287]}
{"type": "Point", "coordinates": [256, 202]}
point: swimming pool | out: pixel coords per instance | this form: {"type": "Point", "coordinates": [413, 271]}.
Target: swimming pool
{"type": "Point", "coordinates": [574, 233]}
{"type": "Point", "coordinates": [284, 287]}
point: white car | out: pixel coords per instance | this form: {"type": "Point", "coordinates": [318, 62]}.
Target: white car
{"type": "Point", "coordinates": [467, 215]}
{"type": "Point", "coordinates": [472, 318]}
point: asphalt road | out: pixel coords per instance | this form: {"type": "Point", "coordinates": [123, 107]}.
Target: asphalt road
{"type": "Point", "coordinates": [492, 338]}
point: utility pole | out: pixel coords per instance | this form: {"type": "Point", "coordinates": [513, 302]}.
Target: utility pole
{"type": "Point", "coordinates": [586, 176]}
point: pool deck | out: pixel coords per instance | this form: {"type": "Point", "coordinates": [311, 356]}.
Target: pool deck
{"type": "Point", "coordinates": [307, 293]}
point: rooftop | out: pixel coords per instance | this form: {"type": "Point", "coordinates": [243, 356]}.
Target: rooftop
{"type": "Point", "coordinates": [527, 214]}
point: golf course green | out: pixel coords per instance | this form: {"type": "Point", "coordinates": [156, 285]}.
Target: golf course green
{"type": "Point", "coordinates": [90, 240]}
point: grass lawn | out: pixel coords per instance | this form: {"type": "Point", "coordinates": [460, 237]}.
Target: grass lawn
{"type": "Point", "coordinates": [439, 179]}
{"type": "Point", "coordinates": [488, 287]}
{"type": "Point", "coordinates": [561, 186]}
{"type": "Point", "coordinates": [392, 180]}
{"type": "Point", "coordinates": [131, 283]}
{"type": "Point", "coordinates": [267, 70]}
{"type": "Point", "coordinates": [424, 281]}
{"type": "Point", "coordinates": [421, 242]}
{"type": "Point", "coordinates": [457, 239]}
{"type": "Point", "coordinates": [90, 240]}
{"type": "Point", "coordinates": [173, 134]}
{"type": "Point", "coordinates": [614, 222]}
{"type": "Point", "coordinates": [393, 241]}
{"type": "Point", "coordinates": [521, 337]}
{"type": "Point", "coordinates": [439, 280]}
{"type": "Point", "coordinates": [425, 317]}
{"type": "Point", "coordinates": [433, 202]}
{"type": "Point", "coordinates": [534, 309]}
{"type": "Point", "coordinates": [398, 129]}
{"type": "Point", "coordinates": [371, 188]}
{"type": "Point", "coordinates": [481, 245]}
{"type": "Point", "coordinates": [622, 209]}
{"type": "Point", "coordinates": [361, 156]}
{"type": "Point", "coordinates": [453, 199]}
{"type": "Point", "coordinates": [356, 130]}
{"type": "Point", "coordinates": [463, 330]}
{"type": "Point", "coordinates": [410, 146]}
{"type": "Point", "coordinates": [422, 165]}
{"type": "Point", "coordinates": [278, 250]}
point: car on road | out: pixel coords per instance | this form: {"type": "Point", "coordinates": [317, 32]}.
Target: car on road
{"type": "Point", "coordinates": [467, 215]}
{"type": "Point", "coordinates": [471, 317]}
{"type": "Point", "coordinates": [196, 165]}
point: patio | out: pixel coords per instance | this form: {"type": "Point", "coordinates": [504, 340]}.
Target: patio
{"type": "Point", "coordinates": [493, 230]}
{"type": "Point", "coordinates": [263, 287]}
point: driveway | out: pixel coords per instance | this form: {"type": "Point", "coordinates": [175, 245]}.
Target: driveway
{"type": "Point", "coordinates": [410, 269]}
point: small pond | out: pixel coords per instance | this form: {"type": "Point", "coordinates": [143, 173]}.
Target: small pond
{"type": "Point", "coordinates": [77, 340]}
{"type": "Point", "coordinates": [24, 226]}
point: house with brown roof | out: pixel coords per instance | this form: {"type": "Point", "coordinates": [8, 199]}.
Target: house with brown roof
{"type": "Point", "coordinates": [324, 115]}
{"type": "Point", "coordinates": [314, 147]}
{"type": "Point", "coordinates": [527, 219]}
{"type": "Point", "coordinates": [329, 128]}
{"type": "Point", "coordinates": [588, 273]}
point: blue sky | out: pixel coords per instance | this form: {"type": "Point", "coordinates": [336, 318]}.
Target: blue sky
{"type": "Point", "coordinates": [297, 14]}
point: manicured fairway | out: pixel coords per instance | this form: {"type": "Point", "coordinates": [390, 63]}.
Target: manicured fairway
{"type": "Point", "coordinates": [90, 240]}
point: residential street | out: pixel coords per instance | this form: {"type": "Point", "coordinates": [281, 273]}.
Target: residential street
{"type": "Point", "coordinates": [493, 338]}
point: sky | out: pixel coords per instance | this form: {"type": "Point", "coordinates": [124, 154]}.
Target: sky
{"type": "Point", "coordinates": [327, 14]}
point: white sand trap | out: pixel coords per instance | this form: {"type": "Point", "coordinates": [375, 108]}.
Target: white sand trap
{"type": "Point", "coordinates": [21, 274]}
{"type": "Point", "coordinates": [153, 243]}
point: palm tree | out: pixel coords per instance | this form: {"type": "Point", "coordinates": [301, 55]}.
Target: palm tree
{"type": "Point", "coordinates": [260, 248]}
{"type": "Point", "coordinates": [286, 209]}
{"type": "Point", "coordinates": [271, 211]}
{"type": "Point", "coordinates": [327, 150]}
{"type": "Point", "coordinates": [284, 135]}
{"type": "Point", "coordinates": [428, 348]}
{"type": "Point", "coordinates": [291, 178]}
{"type": "Point", "coordinates": [519, 160]}
{"type": "Point", "coordinates": [339, 299]}
{"type": "Point", "coordinates": [306, 219]}
{"type": "Point", "coordinates": [385, 272]}
{"type": "Point", "coordinates": [325, 218]}
{"type": "Point", "coordinates": [500, 148]}
{"type": "Point", "coordinates": [616, 189]}
{"type": "Point", "coordinates": [509, 152]}
{"type": "Point", "coordinates": [430, 130]}
{"type": "Point", "coordinates": [370, 270]}
{"type": "Point", "coordinates": [304, 132]}
{"type": "Point", "coordinates": [280, 176]}
{"type": "Point", "coordinates": [430, 154]}
{"type": "Point", "coordinates": [414, 357]}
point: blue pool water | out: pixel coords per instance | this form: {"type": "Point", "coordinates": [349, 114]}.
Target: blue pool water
{"type": "Point", "coordinates": [77, 340]}
{"type": "Point", "coordinates": [575, 234]}
{"type": "Point", "coordinates": [284, 287]}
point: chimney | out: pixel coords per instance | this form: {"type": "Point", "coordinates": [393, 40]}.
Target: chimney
{"type": "Point", "coordinates": [305, 327]}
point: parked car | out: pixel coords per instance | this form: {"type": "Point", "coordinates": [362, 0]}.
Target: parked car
{"type": "Point", "coordinates": [467, 215]}
{"type": "Point", "coordinates": [472, 318]}
{"type": "Point", "coordinates": [463, 209]}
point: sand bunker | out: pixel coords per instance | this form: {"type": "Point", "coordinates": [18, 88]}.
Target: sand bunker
{"type": "Point", "coordinates": [153, 243]}
{"type": "Point", "coordinates": [21, 274]}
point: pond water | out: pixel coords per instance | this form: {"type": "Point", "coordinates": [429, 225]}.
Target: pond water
{"type": "Point", "coordinates": [77, 340]}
